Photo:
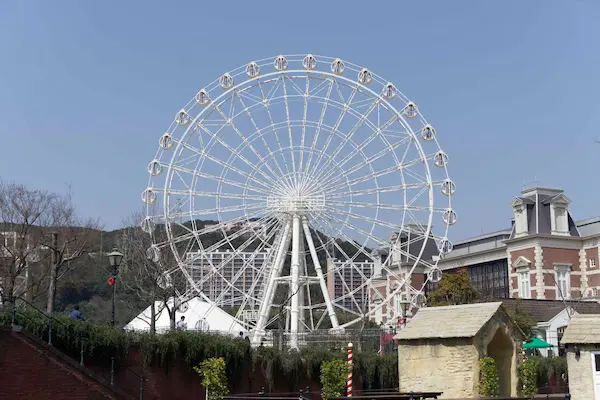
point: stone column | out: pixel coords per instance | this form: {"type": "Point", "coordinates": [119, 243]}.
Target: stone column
{"type": "Point", "coordinates": [539, 271]}
{"type": "Point", "coordinates": [583, 267]}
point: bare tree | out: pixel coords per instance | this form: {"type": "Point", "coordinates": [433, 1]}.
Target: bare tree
{"type": "Point", "coordinates": [41, 228]}
{"type": "Point", "coordinates": [145, 267]}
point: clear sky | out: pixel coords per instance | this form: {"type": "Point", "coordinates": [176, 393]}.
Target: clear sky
{"type": "Point", "coordinates": [87, 87]}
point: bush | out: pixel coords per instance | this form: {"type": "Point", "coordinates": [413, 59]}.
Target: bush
{"type": "Point", "coordinates": [489, 383]}
{"type": "Point", "coordinates": [333, 378]}
{"type": "Point", "coordinates": [214, 377]}
{"type": "Point", "coordinates": [528, 376]}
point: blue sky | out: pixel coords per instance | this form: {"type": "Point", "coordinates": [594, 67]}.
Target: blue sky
{"type": "Point", "coordinates": [87, 88]}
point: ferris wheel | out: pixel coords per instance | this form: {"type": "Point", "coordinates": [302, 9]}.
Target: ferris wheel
{"type": "Point", "coordinates": [301, 188]}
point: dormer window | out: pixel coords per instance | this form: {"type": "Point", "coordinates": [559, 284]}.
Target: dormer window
{"type": "Point", "coordinates": [520, 209]}
{"type": "Point", "coordinates": [559, 216]}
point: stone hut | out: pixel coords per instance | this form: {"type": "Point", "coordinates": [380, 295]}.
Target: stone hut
{"type": "Point", "coordinates": [440, 348]}
{"type": "Point", "coordinates": [582, 343]}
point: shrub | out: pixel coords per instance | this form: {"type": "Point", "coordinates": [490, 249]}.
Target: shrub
{"type": "Point", "coordinates": [528, 376]}
{"type": "Point", "coordinates": [214, 377]}
{"type": "Point", "coordinates": [489, 382]}
{"type": "Point", "coordinates": [333, 378]}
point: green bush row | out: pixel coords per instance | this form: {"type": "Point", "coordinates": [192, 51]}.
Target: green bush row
{"type": "Point", "coordinates": [102, 342]}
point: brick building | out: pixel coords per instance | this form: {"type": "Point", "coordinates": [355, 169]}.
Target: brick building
{"type": "Point", "coordinates": [543, 254]}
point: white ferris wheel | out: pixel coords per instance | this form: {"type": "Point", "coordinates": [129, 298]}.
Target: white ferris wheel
{"type": "Point", "coordinates": [303, 188]}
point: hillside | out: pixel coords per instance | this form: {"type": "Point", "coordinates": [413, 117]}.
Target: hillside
{"type": "Point", "coordinates": [86, 282]}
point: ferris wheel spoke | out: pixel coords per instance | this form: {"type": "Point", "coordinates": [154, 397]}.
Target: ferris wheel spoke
{"type": "Point", "coordinates": [370, 236]}
{"type": "Point", "coordinates": [304, 122]}
{"type": "Point", "coordinates": [266, 144]}
{"type": "Point", "coordinates": [330, 179]}
{"type": "Point", "coordinates": [335, 128]}
{"type": "Point", "coordinates": [319, 125]}
{"type": "Point", "coordinates": [215, 194]}
{"type": "Point", "coordinates": [287, 113]}
{"type": "Point", "coordinates": [227, 166]}
{"type": "Point", "coordinates": [270, 115]}
{"type": "Point", "coordinates": [227, 240]}
{"type": "Point", "coordinates": [219, 179]}
{"type": "Point", "coordinates": [247, 144]}
{"type": "Point", "coordinates": [368, 140]}
{"type": "Point", "coordinates": [349, 136]}
{"type": "Point", "coordinates": [363, 218]}
{"type": "Point", "coordinates": [375, 190]}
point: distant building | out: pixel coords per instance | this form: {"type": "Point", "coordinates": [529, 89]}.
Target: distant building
{"type": "Point", "coordinates": [345, 282]}
{"type": "Point", "coordinates": [226, 277]}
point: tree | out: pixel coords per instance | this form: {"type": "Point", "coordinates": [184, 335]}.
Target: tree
{"type": "Point", "coordinates": [453, 289]}
{"type": "Point", "coordinates": [144, 269]}
{"type": "Point", "coordinates": [522, 319]}
{"type": "Point", "coordinates": [42, 237]}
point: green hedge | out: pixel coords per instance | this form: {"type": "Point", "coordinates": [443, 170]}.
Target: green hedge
{"type": "Point", "coordinates": [193, 348]}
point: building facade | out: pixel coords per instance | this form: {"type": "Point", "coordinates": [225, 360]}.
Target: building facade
{"type": "Point", "coordinates": [543, 254]}
{"type": "Point", "coordinates": [227, 278]}
{"type": "Point", "coordinates": [345, 283]}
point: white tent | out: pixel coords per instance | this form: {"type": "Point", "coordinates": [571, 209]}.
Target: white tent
{"type": "Point", "coordinates": [199, 316]}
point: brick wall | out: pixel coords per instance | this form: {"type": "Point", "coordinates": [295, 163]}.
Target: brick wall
{"type": "Point", "coordinates": [31, 370]}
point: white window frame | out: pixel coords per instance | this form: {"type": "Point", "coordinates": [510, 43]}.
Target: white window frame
{"type": "Point", "coordinates": [592, 262]}
{"type": "Point", "coordinates": [562, 275]}
{"type": "Point", "coordinates": [524, 282]}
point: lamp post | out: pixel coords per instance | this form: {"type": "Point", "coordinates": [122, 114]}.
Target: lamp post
{"type": "Point", "coordinates": [114, 259]}
{"type": "Point", "coordinates": [405, 306]}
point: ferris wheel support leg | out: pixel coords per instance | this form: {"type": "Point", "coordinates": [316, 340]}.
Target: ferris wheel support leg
{"type": "Point", "coordinates": [294, 282]}
{"type": "Point", "coordinates": [313, 253]}
{"type": "Point", "coordinates": [265, 306]}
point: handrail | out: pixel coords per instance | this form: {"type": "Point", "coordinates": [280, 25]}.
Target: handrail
{"type": "Point", "coordinates": [50, 319]}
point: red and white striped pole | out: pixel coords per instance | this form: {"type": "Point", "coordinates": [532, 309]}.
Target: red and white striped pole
{"type": "Point", "coordinates": [349, 388]}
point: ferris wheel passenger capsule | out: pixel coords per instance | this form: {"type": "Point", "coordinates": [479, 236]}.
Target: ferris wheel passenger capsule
{"type": "Point", "coordinates": [281, 63]}
{"type": "Point", "coordinates": [389, 91]}
{"type": "Point", "coordinates": [364, 77]}
{"type": "Point", "coordinates": [337, 66]}
{"type": "Point", "coordinates": [410, 110]}
{"type": "Point", "coordinates": [448, 187]}
{"type": "Point", "coordinates": [309, 62]}
{"type": "Point", "coordinates": [434, 275]}
{"type": "Point", "coordinates": [252, 70]}
{"type": "Point", "coordinates": [428, 133]}
{"type": "Point", "coordinates": [226, 81]}
{"type": "Point", "coordinates": [149, 196]}
{"type": "Point", "coordinates": [153, 253]}
{"type": "Point", "coordinates": [148, 225]}
{"type": "Point", "coordinates": [440, 159]}
{"type": "Point", "coordinates": [154, 168]}
{"type": "Point", "coordinates": [449, 217]}
{"type": "Point", "coordinates": [202, 97]}
{"type": "Point", "coordinates": [445, 246]}
{"type": "Point", "coordinates": [165, 141]}
{"type": "Point", "coordinates": [182, 118]}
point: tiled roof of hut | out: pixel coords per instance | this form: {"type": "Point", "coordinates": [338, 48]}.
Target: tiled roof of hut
{"type": "Point", "coordinates": [462, 321]}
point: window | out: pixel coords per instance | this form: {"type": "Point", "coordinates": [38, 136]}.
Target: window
{"type": "Point", "coordinates": [595, 292]}
{"type": "Point", "coordinates": [592, 262]}
{"type": "Point", "coordinates": [563, 281]}
{"type": "Point", "coordinates": [524, 283]}
{"type": "Point", "coordinates": [559, 335]}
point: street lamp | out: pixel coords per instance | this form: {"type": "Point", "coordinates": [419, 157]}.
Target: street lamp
{"type": "Point", "coordinates": [114, 259]}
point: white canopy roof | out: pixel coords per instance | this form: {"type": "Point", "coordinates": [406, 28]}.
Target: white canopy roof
{"type": "Point", "coordinates": [199, 316]}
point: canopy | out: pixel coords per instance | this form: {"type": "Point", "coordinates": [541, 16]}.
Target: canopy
{"type": "Point", "coordinates": [536, 343]}
{"type": "Point", "coordinates": [199, 316]}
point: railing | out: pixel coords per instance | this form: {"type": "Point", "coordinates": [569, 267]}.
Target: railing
{"type": "Point", "coordinates": [17, 313]}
